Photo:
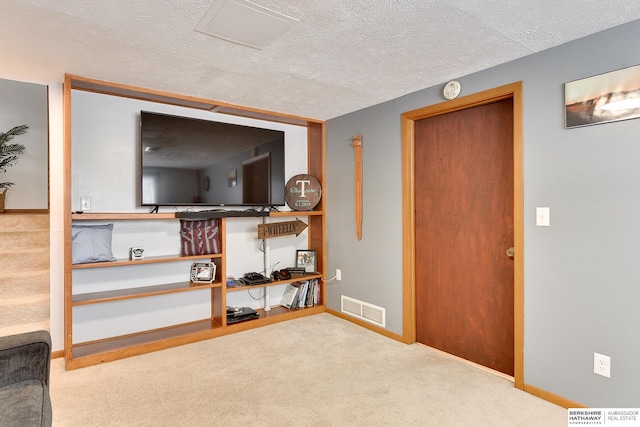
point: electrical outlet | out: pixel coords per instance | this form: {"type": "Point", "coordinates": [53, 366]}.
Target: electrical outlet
{"type": "Point", "coordinates": [85, 203]}
{"type": "Point", "coordinates": [602, 365]}
{"type": "Point", "coordinates": [338, 274]}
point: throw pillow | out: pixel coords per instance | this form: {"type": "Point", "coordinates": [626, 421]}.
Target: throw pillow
{"type": "Point", "coordinates": [91, 243]}
{"type": "Point", "coordinates": [199, 237]}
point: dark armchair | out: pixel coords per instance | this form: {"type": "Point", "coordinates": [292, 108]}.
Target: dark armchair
{"type": "Point", "coordinates": [25, 361]}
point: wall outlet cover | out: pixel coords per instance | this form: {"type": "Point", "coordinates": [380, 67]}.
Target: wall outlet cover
{"type": "Point", "coordinates": [602, 365]}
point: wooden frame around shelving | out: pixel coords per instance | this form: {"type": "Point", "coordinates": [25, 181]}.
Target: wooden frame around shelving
{"type": "Point", "coordinates": [90, 353]}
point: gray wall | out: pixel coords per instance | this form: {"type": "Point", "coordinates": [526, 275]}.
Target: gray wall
{"type": "Point", "coordinates": [26, 104]}
{"type": "Point", "coordinates": [582, 274]}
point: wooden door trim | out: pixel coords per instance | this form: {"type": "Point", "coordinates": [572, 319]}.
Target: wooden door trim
{"type": "Point", "coordinates": [511, 91]}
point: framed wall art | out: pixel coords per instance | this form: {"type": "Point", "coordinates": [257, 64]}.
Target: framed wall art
{"type": "Point", "coordinates": [603, 98]}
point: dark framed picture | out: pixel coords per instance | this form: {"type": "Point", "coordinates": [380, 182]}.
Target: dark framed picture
{"type": "Point", "coordinates": [232, 177]}
{"type": "Point", "coordinates": [203, 272]}
{"type": "Point", "coordinates": [306, 259]}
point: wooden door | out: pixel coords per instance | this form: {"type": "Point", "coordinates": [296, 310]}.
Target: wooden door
{"type": "Point", "coordinates": [463, 228]}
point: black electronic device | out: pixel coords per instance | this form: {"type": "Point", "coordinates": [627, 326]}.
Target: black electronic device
{"type": "Point", "coordinates": [197, 162]}
{"type": "Point", "coordinates": [283, 274]}
{"type": "Point", "coordinates": [253, 278]}
{"type": "Point", "coordinates": [240, 314]}
{"type": "Point", "coordinates": [206, 214]}
{"type": "Point", "coordinates": [296, 271]}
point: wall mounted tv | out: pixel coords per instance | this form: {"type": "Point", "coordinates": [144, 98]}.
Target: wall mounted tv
{"type": "Point", "coordinates": [196, 162]}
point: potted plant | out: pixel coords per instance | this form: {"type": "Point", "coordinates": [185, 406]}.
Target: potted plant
{"type": "Point", "coordinates": [9, 154]}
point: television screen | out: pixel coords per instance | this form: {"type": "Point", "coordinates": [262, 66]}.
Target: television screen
{"type": "Point", "coordinates": [191, 162]}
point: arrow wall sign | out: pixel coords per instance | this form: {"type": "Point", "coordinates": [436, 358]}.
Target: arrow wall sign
{"type": "Point", "coordinates": [278, 229]}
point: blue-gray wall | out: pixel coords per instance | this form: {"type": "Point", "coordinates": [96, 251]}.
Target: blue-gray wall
{"type": "Point", "coordinates": [582, 274]}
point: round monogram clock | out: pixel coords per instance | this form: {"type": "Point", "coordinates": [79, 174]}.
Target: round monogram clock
{"type": "Point", "coordinates": [302, 192]}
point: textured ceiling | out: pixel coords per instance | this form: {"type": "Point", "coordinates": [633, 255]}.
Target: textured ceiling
{"type": "Point", "coordinates": [340, 57]}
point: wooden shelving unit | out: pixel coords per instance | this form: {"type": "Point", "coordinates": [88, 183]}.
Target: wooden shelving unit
{"type": "Point", "coordinates": [82, 354]}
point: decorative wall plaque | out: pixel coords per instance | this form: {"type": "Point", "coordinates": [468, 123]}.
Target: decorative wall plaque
{"type": "Point", "coordinates": [302, 192]}
{"type": "Point", "coordinates": [278, 229]}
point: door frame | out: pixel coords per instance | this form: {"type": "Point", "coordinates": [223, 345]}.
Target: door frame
{"type": "Point", "coordinates": [511, 91]}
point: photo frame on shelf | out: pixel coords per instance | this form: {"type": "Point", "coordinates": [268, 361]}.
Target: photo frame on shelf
{"type": "Point", "coordinates": [306, 259]}
{"type": "Point", "coordinates": [203, 272]}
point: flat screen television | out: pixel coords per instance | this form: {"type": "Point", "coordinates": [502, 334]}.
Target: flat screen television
{"type": "Point", "coordinates": [196, 162]}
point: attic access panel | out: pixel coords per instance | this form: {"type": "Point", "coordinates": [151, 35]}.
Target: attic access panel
{"type": "Point", "coordinates": [245, 23]}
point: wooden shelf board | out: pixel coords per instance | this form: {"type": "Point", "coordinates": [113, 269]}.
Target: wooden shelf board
{"type": "Point", "coordinates": [108, 216]}
{"type": "Point", "coordinates": [275, 282]}
{"type": "Point", "coordinates": [275, 315]}
{"type": "Point", "coordinates": [295, 213]}
{"type": "Point", "coordinates": [144, 342]}
{"type": "Point", "coordinates": [141, 292]}
{"type": "Point", "coordinates": [119, 216]}
{"type": "Point", "coordinates": [283, 311]}
{"type": "Point", "coordinates": [147, 260]}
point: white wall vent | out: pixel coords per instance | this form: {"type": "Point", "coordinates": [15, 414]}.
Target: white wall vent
{"type": "Point", "coordinates": [362, 310]}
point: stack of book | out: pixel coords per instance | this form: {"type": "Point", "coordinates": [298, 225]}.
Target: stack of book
{"type": "Point", "coordinates": [301, 294]}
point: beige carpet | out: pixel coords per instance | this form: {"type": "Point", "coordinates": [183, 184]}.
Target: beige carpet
{"type": "Point", "coordinates": [315, 371]}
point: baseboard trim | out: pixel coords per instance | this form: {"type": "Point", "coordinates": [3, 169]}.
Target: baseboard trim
{"type": "Point", "coordinates": [367, 325]}
{"type": "Point", "coordinates": [57, 354]}
{"type": "Point", "coordinates": [550, 397]}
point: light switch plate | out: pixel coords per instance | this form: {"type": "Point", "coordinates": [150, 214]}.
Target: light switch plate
{"type": "Point", "coordinates": [85, 203]}
{"type": "Point", "coordinates": [542, 217]}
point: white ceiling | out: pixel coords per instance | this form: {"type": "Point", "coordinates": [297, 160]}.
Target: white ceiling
{"type": "Point", "coordinates": [340, 57]}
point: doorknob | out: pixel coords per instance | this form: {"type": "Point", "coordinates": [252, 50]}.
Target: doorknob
{"type": "Point", "coordinates": [511, 252]}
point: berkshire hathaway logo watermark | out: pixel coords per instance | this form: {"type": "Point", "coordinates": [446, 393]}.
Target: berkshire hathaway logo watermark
{"type": "Point", "coordinates": [626, 417]}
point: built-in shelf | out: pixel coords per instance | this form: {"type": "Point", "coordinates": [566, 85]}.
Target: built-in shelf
{"type": "Point", "coordinates": [275, 282]}
{"type": "Point", "coordinates": [296, 213]}
{"type": "Point", "coordinates": [81, 354]}
{"type": "Point", "coordinates": [276, 314]}
{"type": "Point", "coordinates": [147, 260]}
{"type": "Point", "coordinates": [91, 353]}
{"type": "Point", "coordinates": [141, 292]}
{"type": "Point", "coordinates": [113, 216]}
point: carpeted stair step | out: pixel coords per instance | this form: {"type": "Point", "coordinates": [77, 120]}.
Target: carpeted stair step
{"type": "Point", "coordinates": [23, 259]}
{"type": "Point", "coordinates": [24, 263]}
{"type": "Point", "coordinates": [24, 239]}
{"type": "Point", "coordinates": [23, 221]}
{"type": "Point", "coordinates": [24, 283]}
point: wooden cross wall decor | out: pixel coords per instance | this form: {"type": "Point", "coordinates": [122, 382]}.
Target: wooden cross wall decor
{"type": "Point", "coordinates": [357, 150]}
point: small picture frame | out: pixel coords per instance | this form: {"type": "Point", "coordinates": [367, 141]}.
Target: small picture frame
{"type": "Point", "coordinates": [232, 177]}
{"type": "Point", "coordinates": [203, 272]}
{"type": "Point", "coordinates": [136, 252]}
{"type": "Point", "coordinates": [306, 259]}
